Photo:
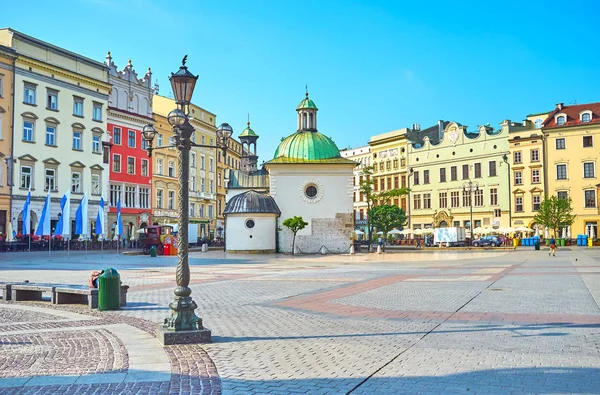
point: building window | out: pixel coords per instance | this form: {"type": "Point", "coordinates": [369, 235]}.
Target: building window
{"type": "Point", "coordinates": [560, 120]}
{"type": "Point", "coordinates": [586, 117]}
{"type": "Point", "coordinates": [171, 200]}
{"type": "Point", "coordinates": [210, 207]}
{"type": "Point", "coordinates": [96, 184]}
{"type": "Point", "coordinates": [492, 168]}
{"type": "Point", "coordinates": [588, 170]}
{"type": "Point", "coordinates": [443, 174]}
{"type": "Point", "coordinates": [536, 202]}
{"type": "Point", "coordinates": [425, 176]}
{"type": "Point", "coordinates": [219, 181]}
{"type": "Point", "coordinates": [96, 144]}
{"type": "Point", "coordinates": [202, 205]}
{"type": "Point", "coordinates": [453, 173]}
{"type": "Point", "coordinates": [144, 197]}
{"type": "Point", "coordinates": [129, 196]}
{"type": "Point", "coordinates": [78, 106]}
{"type": "Point", "coordinates": [417, 201]}
{"type": "Point", "coordinates": [97, 112]}
{"type": "Point", "coordinates": [518, 178]}
{"type": "Point", "coordinates": [479, 198]}
{"type": "Point", "coordinates": [159, 198]}
{"type": "Point", "coordinates": [202, 160]}
{"type": "Point", "coordinates": [130, 165]}
{"type": "Point", "coordinates": [29, 94]}
{"type": "Point", "coordinates": [517, 157]}
{"type": "Point", "coordinates": [497, 213]}
{"type": "Point", "coordinates": [443, 200]}
{"type": "Point", "coordinates": [159, 140]}
{"type": "Point", "coordinates": [26, 176]}
{"type": "Point", "coordinates": [192, 183]}
{"type": "Point", "coordinates": [493, 196]}
{"type": "Point", "coordinates": [51, 136]}
{"type": "Point", "coordinates": [116, 163]}
{"type": "Point", "coordinates": [131, 139]}
{"type": "Point", "coordinates": [561, 172]}
{"type": "Point", "coordinates": [535, 155]}
{"type": "Point", "coordinates": [588, 141]}
{"type": "Point", "coordinates": [477, 170]}
{"type": "Point", "coordinates": [455, 199]}
{"type": "Point", "coordinates": [77, 141]}
{"type": "Point", "coordinates": [381, 184]}
{"type": "Point", "coordinates": [115, 194]}
{"type": "Point", "coordinates": [426, 200]}
{"type": "Point", "coordinates": [117, 136]}
{"type": "Point", "coordinates": [211, 186]}
{"type": "Point", "coordinates": [76, 182]}
{"type": "Point", "coordinates": [193, 159]}
{"type": "Point", "coordinates": [519, 204]}
{"type": "Point", "coordinates": [105, 155]}
{"type": "Point", "coordinates": [192, 209]}
{"type": "Point", "coordinates": [159, 166]}
{"type": "Point", "coordinates": [560, 143]}
{"type": "Point", "coordinates": [145, 167]}
{"type": "Point", "coordinates": [211, 164]}
{"type": "Point", "coordinates": [52, 100]}
{"type": "Point", "coordinates": [396, 185]}
{"type": "Point", "coordinates": [28, 131]}
{"type": "Point", "coordinates": [311, 191]}
{"type": "Point", "coordinates": [538, 123]}
{"type": "Point", "coordinates": [202, 185]}
{"type": "Point", "coordinates": [562, 195]}
{"type": "Point", "coordinates": [466, 199]}
{"type": "Point", "coordinates": [465, 172]}
{"type": "Point", "coordinates": [535, 176]}
{"type": "Point", "coordinates": [416, 178]}
{"type": "Point", "coordinates": [50, 180]}
{"type": "Point", "coordinates": [590, 198]}
{"type": "Point", "coordinates": [171, 168]}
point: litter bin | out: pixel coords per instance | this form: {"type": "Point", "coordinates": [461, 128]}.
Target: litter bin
{"type": "Point", "coordinates": [590, 241]}
{"type": "Point", "coordinates": [547, 242]}
{"type": "Point", "coordinates": [153, 251]}
{"type": "Point", "coordinates": [537, 245]}
{"type": "Point", "coordinates": [515, 242]}
{"type": "Point", "coordinates": [109, 290]}
{"type": "Point", "coordinates": [166, 249]}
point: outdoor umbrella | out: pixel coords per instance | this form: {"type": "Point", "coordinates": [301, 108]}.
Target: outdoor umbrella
{"type": "Point", "coordinates": [406, 232]}
{"type": "Point", "coordinates": [132, 238]}
{"type": "Point", "coordinates": [418, 232]}
{"type": "Point", "coordinates": [359, 232]}
{"type": "Point", "coordinates": [427, 231]}
{"type": "Point", "coordinates": [394, 232]}
{"type": "Point", "coordinates": [9, 232]}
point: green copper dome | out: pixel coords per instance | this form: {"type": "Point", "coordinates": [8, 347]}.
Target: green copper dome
{"type": "Point", "coordinates": [248, 132]}
{"type": "Point", "coordinates": [306, 103]}
{"type": "Point", "coordinates": [307, 146]}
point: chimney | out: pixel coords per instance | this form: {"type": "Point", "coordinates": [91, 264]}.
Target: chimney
{"type": "Point", "coordinates": [560, 106]}
{"type": "Point", "coordinates": [441, 127]}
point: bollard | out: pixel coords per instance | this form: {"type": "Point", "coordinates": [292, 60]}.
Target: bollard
{"type": "Point", "coordinates": [323, 250]}
{"type": "Point", "coordinates": [379, 249]}
{"type": "Point", "coordinates": [204, 247]}
{"type": "Point", "coordinates": [352, 249]}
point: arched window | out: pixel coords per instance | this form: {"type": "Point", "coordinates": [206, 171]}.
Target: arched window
{"type": "Point", "coordinates": [304, 121]}
{"type": "Point", "coordinates": [586, 117]}
{"type": "Point", "coordinates": [538, 123]}
{"type": "Point", "coordinates": [560, 120]}
{"type": "Point", "coordinates": [311, 121]}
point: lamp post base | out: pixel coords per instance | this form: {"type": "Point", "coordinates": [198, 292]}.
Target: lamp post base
{"type": "Point", "coordinates": [168, 337]}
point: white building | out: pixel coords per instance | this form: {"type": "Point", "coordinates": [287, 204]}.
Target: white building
{"type": "Point", "coordinates": [307, 177]}
{"type": "Point", "coordinates": [363, 156]}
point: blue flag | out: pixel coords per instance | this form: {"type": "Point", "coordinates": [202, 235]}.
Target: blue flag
{"type": "Point", "coordinates": [100, 218]}
{"type": "Point", "coordinates": [119, 230]}
{"type": "Point", "coordinates": [63, 226]}
{"type": "Point", "coordinates": [27, 215]}
{"type": "Point", "coordinates": [81, 217]}
{"type": "Point", "coordinates": [44, 224]}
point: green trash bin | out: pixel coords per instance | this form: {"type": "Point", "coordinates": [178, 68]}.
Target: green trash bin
{"type": "Point", "coordinates": [153, 251]}
{"type": "Point", "coordinates": [109, 290]}
{"type": "Point", "coordinates": [537, 245]}
{"type": "Point", "coordinates": [561, 242]}
{"type": "Point", "coordinates": [547, 242]}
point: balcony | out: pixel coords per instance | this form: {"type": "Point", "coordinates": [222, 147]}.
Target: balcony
{"type": "Point", "coordinates": [202, 195]}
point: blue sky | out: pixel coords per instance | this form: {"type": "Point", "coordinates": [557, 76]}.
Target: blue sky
{"type": "Point", "coordinates": [371, 66]}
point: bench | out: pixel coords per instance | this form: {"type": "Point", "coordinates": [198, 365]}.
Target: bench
{"type": "Point", "coordinates": [20, 292]}
{"type": "Point", "coordinates": [59, 293]}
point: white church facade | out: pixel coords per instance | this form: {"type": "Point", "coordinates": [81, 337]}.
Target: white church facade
{"type": "Point", "coordinates": [307, 177]}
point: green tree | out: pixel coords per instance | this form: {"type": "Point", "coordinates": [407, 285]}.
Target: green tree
{"type": "Point", "coordinates": [555, 213]}
{"type": "Point", "coordinates": [368, 190]}
{"type": "Point", "coordinates": [387, 217]}
{"type": "Point", "coordinates": [294, 224]}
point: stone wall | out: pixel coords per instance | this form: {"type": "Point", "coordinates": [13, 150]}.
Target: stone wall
{"type": "Point", "coordinates": [333, 233]}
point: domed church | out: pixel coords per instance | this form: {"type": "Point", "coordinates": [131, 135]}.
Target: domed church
{"type": "Point", "coordinates": [307, 177]}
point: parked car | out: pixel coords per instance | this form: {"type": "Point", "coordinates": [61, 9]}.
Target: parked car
{"type": "Point", "coordinates": [492, 241]}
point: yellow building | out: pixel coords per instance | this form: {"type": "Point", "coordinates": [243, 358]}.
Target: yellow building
{"type": "Point", "coordinates": [363, 156]}
{"type": "Point", "coordinates": [230, 161]}
{"type": "Point", "coordinates": [572, 140]}
{"type": "Point", "coordinates": [443, 159]}
{"type": "Point", "coordinates": [527, 152]}
{"type": "Point", "coordinates": [7, 64]}
{"type": "Point", "coordinates": [389, 162]}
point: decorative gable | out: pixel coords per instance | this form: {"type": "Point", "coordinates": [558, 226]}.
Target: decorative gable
{"type": "Point", "coordinates": [51, 161]}
{"type": "Point", "coordinates": [77, 164]}
{"type": "Point", "coordinates": [27, 158]}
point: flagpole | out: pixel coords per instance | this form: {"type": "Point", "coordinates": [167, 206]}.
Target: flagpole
{"type": "Point", "coordinates": [49, 246]}
{"type": "Point", "coordinates": [69, 249]}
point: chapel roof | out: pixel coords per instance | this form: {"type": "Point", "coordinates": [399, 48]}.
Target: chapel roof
{"type": "Point", "coordinates": [251, 202]}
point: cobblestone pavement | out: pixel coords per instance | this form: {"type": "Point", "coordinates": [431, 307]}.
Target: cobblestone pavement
{"type": "Point", "coordinates": [426, 322]}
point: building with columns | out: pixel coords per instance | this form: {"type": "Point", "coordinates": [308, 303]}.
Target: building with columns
{"type": "Point", "coordinates": [130, 169]}
{"type": "Point", "coordinates": [60, 119]}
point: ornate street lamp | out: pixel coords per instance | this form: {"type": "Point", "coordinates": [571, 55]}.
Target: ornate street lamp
{"type": "Point", "coordinates": [471, 187]}
{"type": "Point", "coordinates": [505, 160]}
{"type": "Point", "coordinates": [183, 326]}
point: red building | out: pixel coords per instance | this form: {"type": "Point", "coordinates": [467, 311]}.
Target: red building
{"type": "Point", "coordinates": [130, 176]}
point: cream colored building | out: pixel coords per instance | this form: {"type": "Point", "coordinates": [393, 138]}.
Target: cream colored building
{"type": "Point", "coordinates": [443, 159]}
{"type": "Point", "coordinates": [203, 178]}
{"type": "Point", "coordinates": [7, 63]}
{"type": "Point", "coordinates": [59, 126]}
{"type": "Point", "coordinates": [572, 141]}
{"type": "Point", "coordinates": [363, 156]}
{"type": "Point", "coordinates": [528, 171]}
{"type": "Point", "coordinates": [226, 163]}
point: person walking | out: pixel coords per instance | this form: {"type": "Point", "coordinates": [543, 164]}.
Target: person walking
{"type": "Point", "coordinates": [419, 243]}
{"type": "Point", "coordinates": [552, 247]}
